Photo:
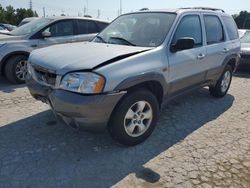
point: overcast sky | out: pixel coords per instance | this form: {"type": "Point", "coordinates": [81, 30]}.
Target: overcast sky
{"type": "Point", "coordinates": [109, 8]}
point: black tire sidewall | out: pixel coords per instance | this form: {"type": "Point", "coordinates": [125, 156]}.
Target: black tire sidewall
{"type": "Point", "coordinates": [116, 125]}
{"type": "Point", "coordinates": [217, 90]}
{"type": "Point", "coordinates": [10, 69]}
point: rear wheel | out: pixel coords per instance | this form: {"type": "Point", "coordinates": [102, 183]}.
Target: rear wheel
{"type": "Point", "coordinates": [222, 86]}
{"type": "Point", "coordinates": [16, 69]}
{"type": "Point", "coordinates": [134, 118]}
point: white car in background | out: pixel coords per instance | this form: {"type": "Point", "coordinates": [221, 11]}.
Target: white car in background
{"type": "Point", "coordinates": [242, 32]}
{"type": "Point", "coordinates": [3, 30]}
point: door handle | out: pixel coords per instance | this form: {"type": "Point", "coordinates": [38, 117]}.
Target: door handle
{"type": "Point", "coordinates": [201, 56]}
{"type": "Point", "coordinates": [225, 50]}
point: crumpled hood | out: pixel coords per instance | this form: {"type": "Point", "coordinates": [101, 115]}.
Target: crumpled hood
{"type": "Point", "coordinates": [80, 56]}
{"type": "Point", "coordinates": [245, 48]}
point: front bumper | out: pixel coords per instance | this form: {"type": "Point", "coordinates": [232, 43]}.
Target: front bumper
{"type": "Point", "coordinates": [88, 112]}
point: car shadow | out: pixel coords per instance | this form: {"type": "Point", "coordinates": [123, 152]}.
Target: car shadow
{"type": "Point", "coordinates": [7, 87]}
{"type": "Point", "coordinates": [38, 152]}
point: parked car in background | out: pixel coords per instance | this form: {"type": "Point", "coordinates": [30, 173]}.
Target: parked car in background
{"type": "Point", "coordinates": [16, 45]}
{"type": "Point", "coordinates": [3, 30]}
{"type": "Point", "coordinates": [120, 79]}
{"type": "Point", "coordinates": [27, 20]}
{"type": "Point", "coordinates": [242, 32]}
{"type": "Point", "coordinates": [8, 27]}
{"type": "Point", "coordinates": [245, 51]}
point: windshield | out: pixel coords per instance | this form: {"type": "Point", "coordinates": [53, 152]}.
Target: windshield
{"type": "Point", "coordinates": [246, 37]}
{"type": "Point", "coordinates": [138, 29]}
{"type": "Point", "coordinates": [30, 27]}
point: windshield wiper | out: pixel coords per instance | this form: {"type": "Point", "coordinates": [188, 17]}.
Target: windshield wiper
{"type": "Point", "coordinates": [122, 39]}
{"type": "Point", "coordinates": [99, 37]}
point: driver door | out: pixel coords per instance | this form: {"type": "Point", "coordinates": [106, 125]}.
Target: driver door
{"type": "Point", "coordinates": [186, 66]}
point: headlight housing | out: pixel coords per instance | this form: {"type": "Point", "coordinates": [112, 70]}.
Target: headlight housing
{"type": "Point", "coordinates": [83, 82]}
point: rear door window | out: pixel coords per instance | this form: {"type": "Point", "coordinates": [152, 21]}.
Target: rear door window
{"type": "Point", "coordinates": [101, 25]}
{"type": "Point", "coordinates": [214, 29]}
{"type": "Point", "coordinates": [87, 27]}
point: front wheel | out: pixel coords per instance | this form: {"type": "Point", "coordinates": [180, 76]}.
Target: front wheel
{"type": "Point", "coordinates": [134, 118]}
{"type": "Point", "coordinates": [16, 69]}
{"type": "Point", "coordinates": [222, 86]}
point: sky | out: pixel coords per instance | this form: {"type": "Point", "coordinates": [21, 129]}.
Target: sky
{"type": "Point", "coordinates": [109, 8]}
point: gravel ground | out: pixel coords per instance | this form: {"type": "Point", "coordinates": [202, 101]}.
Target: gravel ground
{"type": "Point", "coordinates": [199, 142]}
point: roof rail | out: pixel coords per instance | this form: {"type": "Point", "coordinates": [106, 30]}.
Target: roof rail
{"type": "Point", "coordinates": [204, 8]}
{"type": "Point", "coordinates": [144, 9]}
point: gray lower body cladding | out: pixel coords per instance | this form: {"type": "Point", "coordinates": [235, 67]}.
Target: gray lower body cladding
{"type": "Point", "coordinates": [87, 112]}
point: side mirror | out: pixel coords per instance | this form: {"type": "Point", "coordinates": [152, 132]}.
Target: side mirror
{"type": "Point", "coordinates": [183, 44]}
{"type": "Point", "coordinates": [46, 34]}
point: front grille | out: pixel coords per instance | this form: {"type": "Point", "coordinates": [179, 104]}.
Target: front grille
{"type": "Point", "coordinates": [44, 76]}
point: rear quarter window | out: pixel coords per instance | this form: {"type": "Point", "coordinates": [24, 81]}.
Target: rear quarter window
{"type": "Point", "coordinates": [230, 27]}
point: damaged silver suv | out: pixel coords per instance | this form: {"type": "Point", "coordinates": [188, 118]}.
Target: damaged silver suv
{"type": "Point", "coordinates": [120, 79]}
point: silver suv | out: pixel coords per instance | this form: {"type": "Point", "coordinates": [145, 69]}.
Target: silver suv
{"type": "Point", "coordinates": [16, 45]}
{"type": "Point", "coordinates": [120, 79]}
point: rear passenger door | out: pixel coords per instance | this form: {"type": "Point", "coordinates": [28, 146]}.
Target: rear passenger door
{"type": "Point", "coordinates": [86, 30]}
{"type": "Point", "coordinates": [186, 67]}
{"type": "Point", "coordinates": [216, 47]}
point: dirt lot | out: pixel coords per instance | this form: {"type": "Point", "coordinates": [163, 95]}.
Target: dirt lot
{"type": "Point", "coordinates": [199, 141]}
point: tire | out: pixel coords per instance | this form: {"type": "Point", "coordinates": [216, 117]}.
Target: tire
{"type": "Point", "coordinates": [13, 64]}
{"type": "Point", "coordinates": [218, 90]}
{"type": "Point", "coordinates": [119, 124]}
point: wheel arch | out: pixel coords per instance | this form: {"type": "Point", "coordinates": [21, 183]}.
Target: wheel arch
{"type": "Point", "coordinates": [232, 60]}
{"type": "Point", "coordinates": [154, 82]}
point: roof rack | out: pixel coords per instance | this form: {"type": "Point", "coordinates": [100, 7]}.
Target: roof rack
{"type": "Point", "coordinates": [204, 8]}
{"type": "Point", "coordinates": [144, 9]}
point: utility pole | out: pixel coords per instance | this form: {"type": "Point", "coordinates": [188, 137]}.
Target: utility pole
{"type": "Point", "coordinates": [120, 7]}
{"type": "Point", "coordinates": [87, 6]}
{"type": "Point", "coordinates": [85, 11]}
{"type": "Point", "coordinates": [99, 13]}
{"type": "Point", "coordinates": [30, 4]}
{"type": "Point", "coordinates": [43, 11]}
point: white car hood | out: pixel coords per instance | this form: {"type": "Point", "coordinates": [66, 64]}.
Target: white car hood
{"type": "Point", "coordinates": [80, 56]}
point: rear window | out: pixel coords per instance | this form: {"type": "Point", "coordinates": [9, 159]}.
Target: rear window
{"type": "Point", "coordinates": [231, 27]}
{"type": "Point", "coordinates": [214, 29]}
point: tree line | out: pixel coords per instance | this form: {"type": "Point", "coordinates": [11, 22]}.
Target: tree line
{"type": "Point", "coordinates": [15, 16]}
{"type": "Point", "coordinates": [242, 20]}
